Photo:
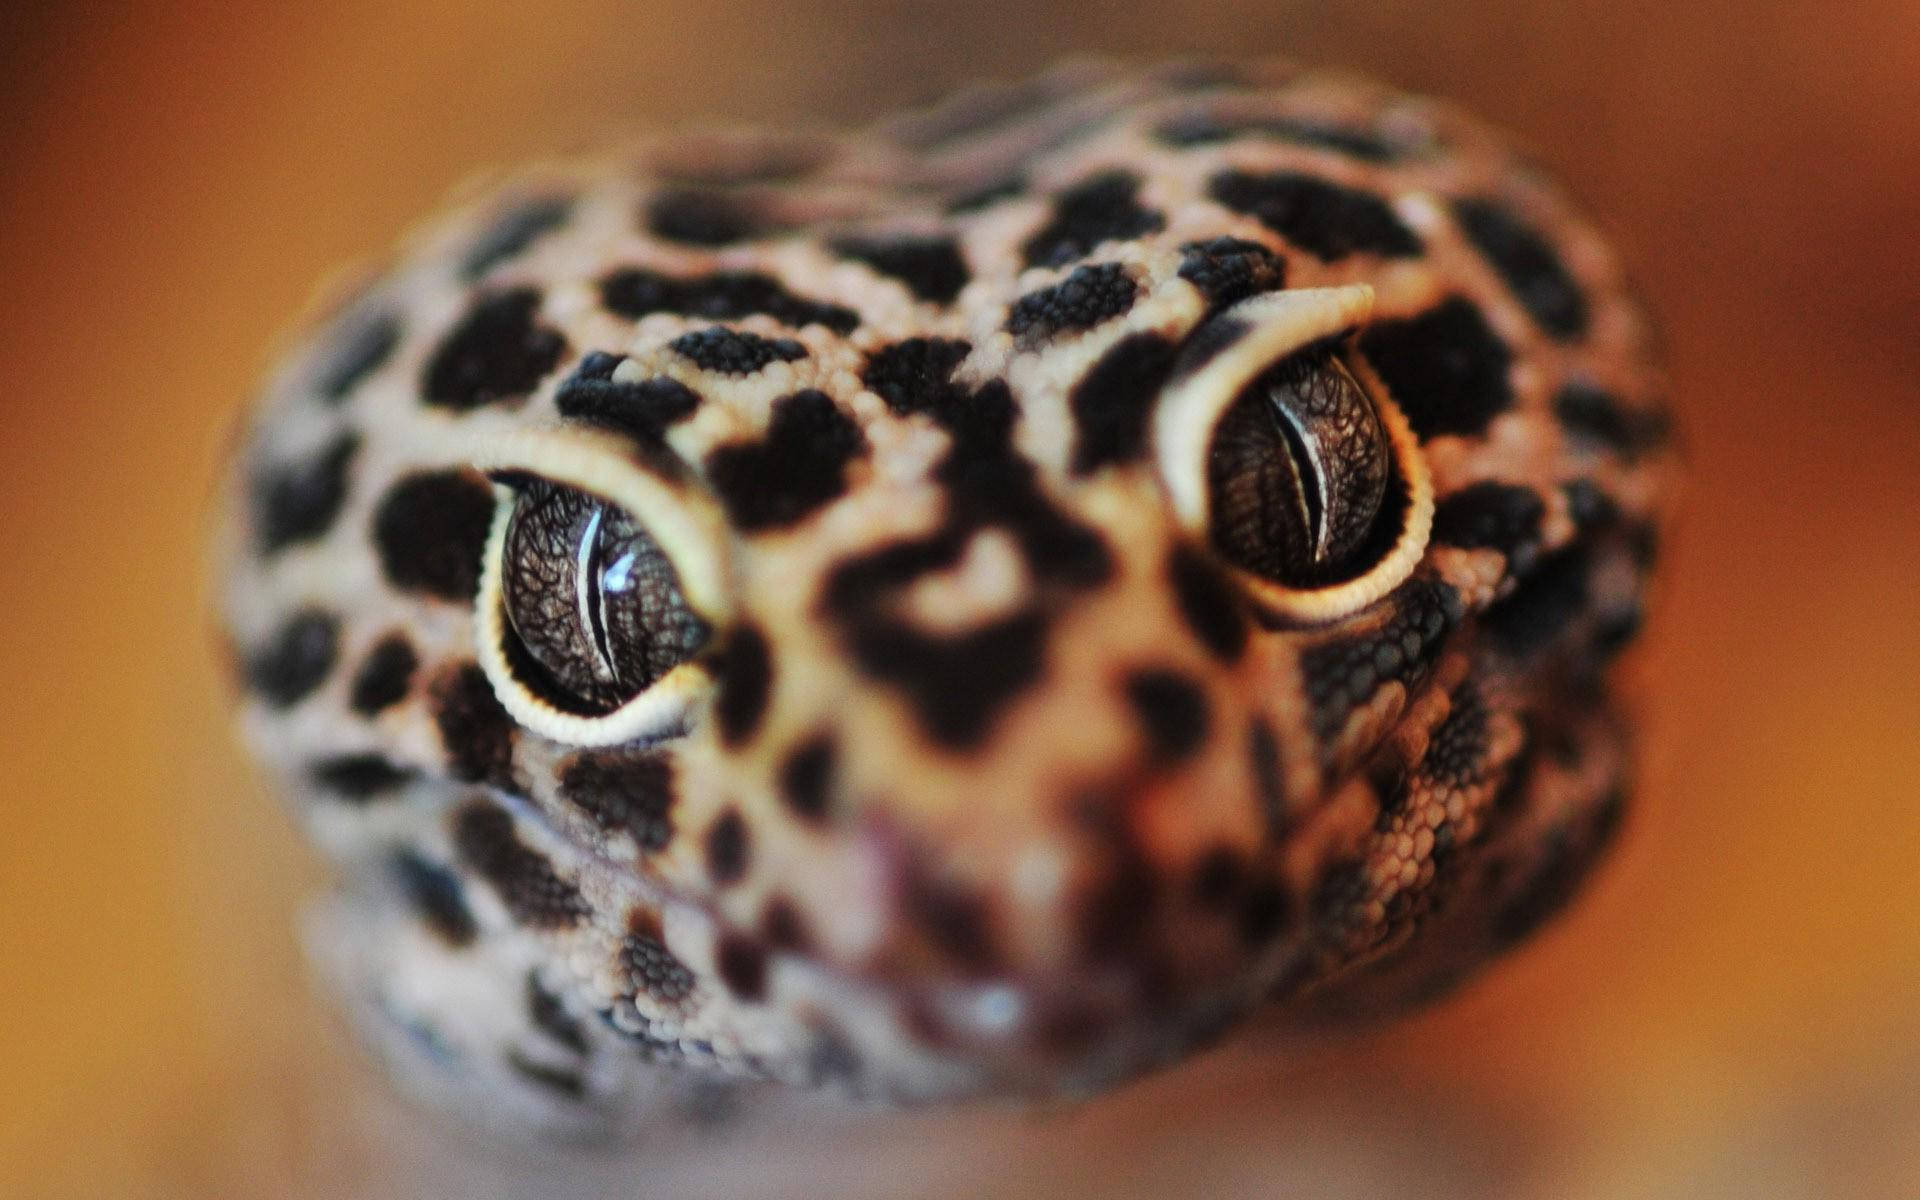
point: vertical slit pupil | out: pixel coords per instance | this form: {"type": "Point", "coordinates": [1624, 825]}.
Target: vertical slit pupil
{"type": "Point", "coordinates": [593, 605]}
{"type": "Point", "coordinates": [1297, 473]}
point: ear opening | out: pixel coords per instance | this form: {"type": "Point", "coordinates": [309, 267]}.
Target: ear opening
{"type": "Point", "coordinates": [1237, 351]}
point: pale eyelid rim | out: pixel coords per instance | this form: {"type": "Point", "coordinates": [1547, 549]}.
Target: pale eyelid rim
{"type": "Point", "coordinates": [1191, 409]}
{"type": "Point", "coordinates": [689, 529]}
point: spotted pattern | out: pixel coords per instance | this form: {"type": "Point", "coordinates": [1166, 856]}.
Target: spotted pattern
{"type": "Point", "coordinates": [992, 775]}
{"type": "Point", "coordinates": [1086, 298]}
{"type": "Point", "coordinates": [930, 267]}
{"type": "Point", "coordinates": [1327, 220]}
{"type": "Point", "coordinates": [630, 793]}
{"type": "Point", "coordinates": [1104, 208]}
{"type": "Point", "coordinates": [634, 292]}
{"type": "Point", "coordinates": [361, 345]}
{"type": "Point", "coordinates": [1446, 367]}
{"type": "Point", "coordinates": [799, 466]}
{"type": "Point", "coordinates": [385, 676]}
{"type": "Point", "coordinates": [496, 354]}
{"type": "Point", "coordinates": [430, 529]}
{"type": "Point", "coordinates": [525, 881]}
{"type": "Point", "coordinates": [298, 502]}
{"type": "Point", "coordinates": [643, 409]}
{"type": "Point", "coordinates": [513, 232]}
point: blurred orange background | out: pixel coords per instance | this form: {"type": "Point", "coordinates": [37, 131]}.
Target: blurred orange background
{"type": "Point", "coordinates": [1734, 1011]}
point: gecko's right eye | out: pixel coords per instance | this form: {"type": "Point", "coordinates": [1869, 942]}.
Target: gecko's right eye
{"type": "Point", "coordinates": [605, 591]}
{"type": "Point", "coordinates": [594, 610]}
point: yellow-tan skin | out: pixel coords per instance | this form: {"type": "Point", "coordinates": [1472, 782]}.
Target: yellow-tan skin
{"type": "Point", "coordinates": [1053, 902]}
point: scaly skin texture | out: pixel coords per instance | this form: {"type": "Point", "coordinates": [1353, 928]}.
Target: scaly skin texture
{"type": "Point", "coordinates": [988, 773]}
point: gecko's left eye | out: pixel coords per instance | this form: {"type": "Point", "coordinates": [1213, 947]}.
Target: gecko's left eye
{"type": "Point", "coordinates": [1281, 449]}
{"type": "Point", "coordinates": [594, 609]}
{"type": "Point", "coordinates": [1297, 471]}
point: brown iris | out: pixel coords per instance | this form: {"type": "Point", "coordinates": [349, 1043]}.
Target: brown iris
{"type": "Point", "coordinates": [592, 602]}
{"type": "Point", "coordinates": [1298, 472]}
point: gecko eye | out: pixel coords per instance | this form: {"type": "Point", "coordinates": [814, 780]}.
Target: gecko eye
{"type": "Point", "coordinates": [594, 608]}
{"type": "Point", "coordinates": [1282, 449]}
{"type": "Point", "coordinates": [1297, 473]}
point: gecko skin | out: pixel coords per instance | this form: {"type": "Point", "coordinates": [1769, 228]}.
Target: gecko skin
{"type": "Point", "coordinates": [970, 608]}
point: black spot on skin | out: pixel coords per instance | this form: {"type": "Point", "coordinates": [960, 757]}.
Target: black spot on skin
{"type": "Point", "coordinates": [1207, 603]}
{"type": "Point", "coordinates": [431, 531]}
{"type": "Point", "coordinates": [722, 296]}
{"type": "Point", "coordinates": [783, 926]}
{"type": "Point", "coordinates": [734, 351]}
{"type": "Point", "coordinates": [515, 230]}
{"type": "Point", "coordinates": [477, 732]}
{"type": "Point", "coordinates": [1202, 128]}
{"type": "Point", "coordinates": [1496, 516]}
{"type": "Point", "coordinates": [1100, 209]}
{"type": "Point", "coordinates": [1326, 220]}
{"type": "Point", "coordinates": [807, 777]}
{"type": "Point", "coordinates": [642, 410]}
{"type": "Point", "coordinates": [742, 966]}
{"type": "Point", "coordinates": [1228, 270]}
{"type": "Point", "coordinates": [1543, 605]}
{"type": "Point", "coordinates": [746, 682]}
{"type": "Point", "coordinates": [1589, 505]}
{"type": "Point", "coordinates": [987, 195]}
{"type": "Point", "coordinates": [1615, 631]}
{"type": "Point", "coordinates": [496, 354]}
{"type": "Point", "coordinates": [727, 848]}
{"type": "Point", "coordinates": [623, 792]}
{"type": "Point", "coordinates": [1173, 713]}
{"type": "Point", "coordinates": [703, 217]}
{"type": "Point", "coordinates": [550, 1016]}
{"type": "Point", "coordinates": [915, 376]}
{"type": "Point", "coordinates": [1119, 907]}
{"type": "Point", "coordinates": [435, 893]}
{"type": "Point", "coordinates": [931, 267]}
{"type": "Point", "coordinates": [1341, 673]}
{"type": "Point", "coordinates": [954, 920]}
{"type": "Point", "coordinates": [1265, 912]}
{"type": "Point", "coordinates": [385, 675]}
{"type": "Point", "coordinates": [1209, 342]}
{"type": "Point", "coordinates": [800, 466]}
{"type": "Point", "coordinates": [1446, 368]}
{"type": "Point", "coordinates": [1113, 400]}
{"type": "Point", "coordinates": [1595, 418]}
{"type": "Point", "coordinates": [653, 970]}
{"type": "Point", "coordinates": [359, 778]}
{"type": "Point", "coordinates": [1086, 298]}
{"type": "Point", "coordinates": [360, 344]}
{"type": "Point", "coordinates": [536, 895]}
{"type": "Point", "coordinates": [1217, 878]}
{"type": "Point", "coordinates": [1269, 781]}
{"type": "Point", "coordinates": [961, 683]}
{"type": "Point", "coordinates": [298, 501]}
{"type": "Point", "coordinates": [1457, 750]}
{"type": "Point", "coordinates": [296, 659]}
{"type": "Point", "coordinates": [1528, 263]}
{"type": "Point", "coordinates": [562, 1081]}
